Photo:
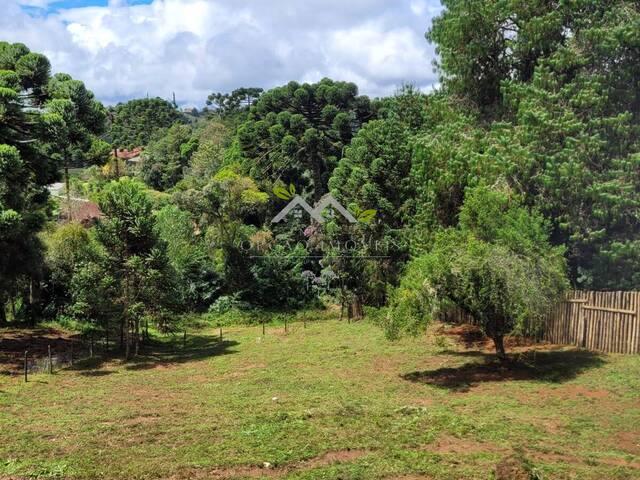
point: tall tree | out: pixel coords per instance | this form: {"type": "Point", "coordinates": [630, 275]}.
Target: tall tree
{"type": "Point", "coordinates": [135, 258]}
{"type": "Point", "coordinates": [298, 132]}
{"type": "Point", "coordinates": [225, 104]}
{"type": "Point", "coordinates": [481, 43]}
{"type": "Point", "coordinates": [374, 176]}
{"type": "Point", "coordinates": [564, 132]}
{"type": "Point", "coordinates": [83, 119]}
{"type": "Point", "coordinates": [167, 156]}
{"type": "Point", "coordinates": [133, 124]}
{"type": "Point", "coordinates": [25, 166]}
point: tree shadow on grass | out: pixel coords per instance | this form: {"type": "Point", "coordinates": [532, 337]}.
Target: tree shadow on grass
{"type": "Point", "coordinates": [157, 353]}
{"type": "Point", "coordinates": [96, 373]}
{"type": "Point", "coordinates": [543, 366]}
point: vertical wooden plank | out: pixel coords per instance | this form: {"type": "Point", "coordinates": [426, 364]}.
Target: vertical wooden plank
{"type": "Point", "coordinates": [616, 344]}
{"type": "Point", "coordinates": [635, 329]}
{"type": "Point", "coordinates": [604, 319]}
{"type": "Point", "coordinates": [621, 323]}
{"type": "Point", "coordinates": [610, 316]}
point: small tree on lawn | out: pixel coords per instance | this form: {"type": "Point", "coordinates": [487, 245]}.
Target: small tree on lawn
{"type": "Point", "coordinates": [497, 265]}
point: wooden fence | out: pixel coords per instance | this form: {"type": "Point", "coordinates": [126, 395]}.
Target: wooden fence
{"type": "Point", "coordinates": [603, 321]}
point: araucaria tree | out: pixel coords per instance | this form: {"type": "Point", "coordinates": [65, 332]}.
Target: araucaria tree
{"type": "Point", "coordinates": [497, 265]}
{"type": "Point", "coordinates": [298, 131]}
{"type": "Point", "coordinates": [135, 258]}
{"type": "Point", "coordinates": [44, 121]}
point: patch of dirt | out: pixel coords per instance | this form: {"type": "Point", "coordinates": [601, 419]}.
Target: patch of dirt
{"type": "Point", "coordinates": [329, 458]}
{"type": "Point", "coordinates": [387, 365]}
{"type": "Point", "coordinates": [423, 402]}
{"type": "Point", "coordinates": [553, 428]}
{"type": "Point", "coordinates": [140, 420]}
{"type": "Point", "coordinates": [577, 391]}
{"type": "Point", "coordinates": [629, 442]}
{"type": "Point", "coordinates": [512, 468]}
{"type": "Point", "coordinates": [14, 342]}
{"type": "Point", "coordinates": [471, 337]}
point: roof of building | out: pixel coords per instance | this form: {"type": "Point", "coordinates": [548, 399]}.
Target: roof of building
{"type": "Point", "coordinates": [82, 211]}
{"type": "Point", "coordinates": [129, 154]}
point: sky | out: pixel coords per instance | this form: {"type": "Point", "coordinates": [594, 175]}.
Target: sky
{"type": "Point", "coordinates": [125, 49]}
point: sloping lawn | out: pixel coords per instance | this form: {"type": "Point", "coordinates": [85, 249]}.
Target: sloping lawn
{"type": "Point", "coordinates": [334, 400]}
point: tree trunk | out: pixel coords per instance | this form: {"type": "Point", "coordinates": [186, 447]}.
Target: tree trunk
{"type": "Point", "coordinates": [67, 186]}
{"type": "Point", "coordinates": [137, 337]}
{"type": "Point", "coordinates": [127, 340]}
{"type": "Point", "coordinates": [117, 166]}
{"type": "Point", "coordinates": [355, 308]}
{"type": "Point", "coordinates": [498, 341]}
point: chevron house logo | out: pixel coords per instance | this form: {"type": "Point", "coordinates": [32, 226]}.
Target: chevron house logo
{"type": "Point", "coordinates": [297, 205]}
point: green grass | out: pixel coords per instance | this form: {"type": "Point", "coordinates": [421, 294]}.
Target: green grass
{"type": "Point", "coordinates": [334, 400]}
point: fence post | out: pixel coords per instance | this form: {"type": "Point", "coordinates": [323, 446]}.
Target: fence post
{"type": "Point", "coordinates": [26, 365]}
{"type": "Point", "coordinates": [71, 358]}
{"type": "Point", "coordinates": [91, 345]}
{"type": "Point", "coordinates": [263, 332]}
{"type": "Point", "coordinates": [583, 318]}
{"type": "Point", "coordinates": [50, 362]}
{"type": "Point", "coordinates": [184, 339]}
{"type": "Point", "coordinates": [220, 333]}
{"type": "Point", "coordinates": [304, 321]}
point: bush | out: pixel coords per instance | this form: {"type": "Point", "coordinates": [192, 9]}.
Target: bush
{"type": "Point", "coordinates": [497, 265]}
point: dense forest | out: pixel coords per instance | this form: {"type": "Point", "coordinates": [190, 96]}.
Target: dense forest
{"type": "Point", "coordinates": [516, 179]}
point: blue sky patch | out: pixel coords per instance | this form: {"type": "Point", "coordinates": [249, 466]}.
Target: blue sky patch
{"type": "Point", "coordinates": [64, 4]}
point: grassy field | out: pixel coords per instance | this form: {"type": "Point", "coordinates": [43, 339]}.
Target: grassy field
{"type": "Point", "coordinates": [334, 400]}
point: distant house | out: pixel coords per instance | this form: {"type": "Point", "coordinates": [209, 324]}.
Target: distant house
{"type": "Point", "coordinates": [82, 211]}
{"type": "Point", "coordinates": [130, 157]}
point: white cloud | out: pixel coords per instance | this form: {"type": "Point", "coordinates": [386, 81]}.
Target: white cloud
{"type": "Point", "coordinates": [194, 47]}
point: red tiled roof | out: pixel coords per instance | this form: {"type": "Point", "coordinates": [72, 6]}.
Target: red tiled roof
{"type": "Point", "coordinates": [128, 154]}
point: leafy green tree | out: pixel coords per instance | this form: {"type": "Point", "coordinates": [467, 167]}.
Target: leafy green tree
{"type": "Point", "coordinates": [133, 124]}
{"type": "Point", "coordinates": [197, 280]}
{"type": "Point", "coordinates": [406, 105]}
{"type": "Point", "coordinates": [135, 258]}
{"type": "Point", "coordinates": [481, 43]}
{"type": "Point", "coordinates": [224, 209]}
{"type": "Point", "coordinates": [277, 278]}
{"type": "Point", "coordinates": [497, 265]}
{"type": "Point", "coordinates": [92, 290]}
{"type": "Point", "coordinates": [167, 156]}
{"type": "Point", "coordinates": [298, 132]}
{"type": "Point", "coordinates": [226, 104]}
{"type": "Point", "coordinates": [25, 168]}
{"type": "Point", "coordinates": [209, 156]}
{"type": "Point", "coordinates": [564, 128]}
{"type": "Point", "coordinates": [68, 247]}
{"type": "Point", "coordinates": [82, 120]}
{"type": "Point", "coordinates": [374, 176]}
